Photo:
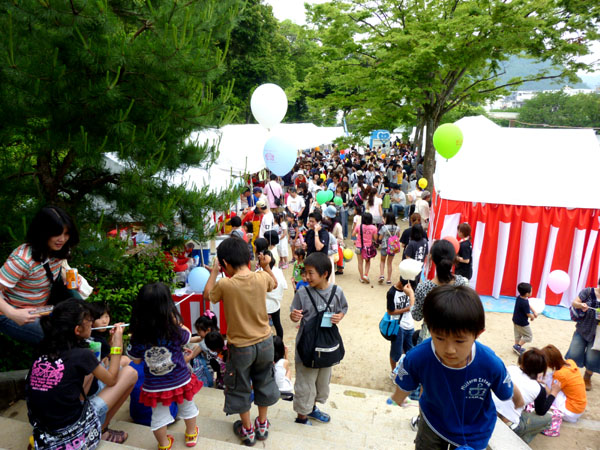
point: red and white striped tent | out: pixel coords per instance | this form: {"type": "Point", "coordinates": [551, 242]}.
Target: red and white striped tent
{"type": "Point", "coordinates": [532, 199]}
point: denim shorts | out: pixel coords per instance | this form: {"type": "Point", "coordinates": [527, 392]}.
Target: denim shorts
{"type": "Point", "coordinates": [99, 406]}
{"type": "Point", "coordinates": [581, 352]}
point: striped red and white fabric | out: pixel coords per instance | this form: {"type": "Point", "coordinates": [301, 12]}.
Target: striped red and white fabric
{"type": "Point", "coordinates": [515, 243]}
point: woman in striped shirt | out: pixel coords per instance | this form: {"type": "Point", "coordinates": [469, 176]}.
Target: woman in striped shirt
{"type": "Point", "coordinates": [24, 282]}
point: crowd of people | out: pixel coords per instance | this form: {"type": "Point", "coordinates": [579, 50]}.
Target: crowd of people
{"type": "Point", "coordinates": [461, 385]}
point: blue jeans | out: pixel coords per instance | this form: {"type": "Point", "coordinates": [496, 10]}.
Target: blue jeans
{"type": "Point", "coordinates": [406, 211]}
{"type": "Point", "coordinates": [31, 333]}
{"type": "Point", "coordinates": [397, 207]}
{"type": "Point", "coordinates": [581, 352]}
{"type": "Point", "coordinates": [402, 343]}
{"type": "Point", "coordinates": [344, 217]}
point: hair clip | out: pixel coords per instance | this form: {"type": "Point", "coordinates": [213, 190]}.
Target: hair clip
{"type": "Point", "coordinates": [208, 313]}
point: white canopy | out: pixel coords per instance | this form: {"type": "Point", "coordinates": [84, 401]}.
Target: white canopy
{"type": "Point", "coordinates": [522, 166]}
{"type": "Point", "coordinates": [241, 146]}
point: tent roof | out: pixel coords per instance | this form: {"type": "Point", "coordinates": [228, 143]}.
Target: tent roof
{"type": "Point", "coordinates": [522, 166]}
{"type": "Point", "coordinates": [241, 146]}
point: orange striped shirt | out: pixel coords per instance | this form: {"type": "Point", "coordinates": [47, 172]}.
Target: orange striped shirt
{"type": "Point", "coordinates": [25, 281]}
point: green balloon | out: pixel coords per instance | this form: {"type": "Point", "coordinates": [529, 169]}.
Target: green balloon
{"type": "Point", "coordinates": [322, 197]}
{"type": "Point", "coordinates": [447, 140]}
{"type": "Point", "coordinates": [338, 201]}
{"type": "Point", "coordinates": [329, 195]}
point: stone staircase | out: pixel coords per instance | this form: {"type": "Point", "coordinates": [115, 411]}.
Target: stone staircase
{"type": "Point", "coordinates": [360, 419]}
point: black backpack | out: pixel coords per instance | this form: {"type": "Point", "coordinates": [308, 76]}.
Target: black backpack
{"type": "Point", "coordinates": [318, 346]}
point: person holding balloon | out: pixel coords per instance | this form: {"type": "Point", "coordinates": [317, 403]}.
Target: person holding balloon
{"type": "Point", "coordinates": [584, 348]}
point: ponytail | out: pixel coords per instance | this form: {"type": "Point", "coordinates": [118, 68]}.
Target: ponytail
{"type": "Point", "coordinates": [443, 255]}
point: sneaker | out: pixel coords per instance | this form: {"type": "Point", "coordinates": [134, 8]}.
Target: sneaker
{"type": "Point", "coordinates": [517, 349]}
{"type": "Point", "coordinates": [248, 437]}
{"type": "Point", "coordinates": [261, 430]}
{"type": "Point", "coordinates": [414, 423]}
{"type": "Point", "coordinates": [319, 415]}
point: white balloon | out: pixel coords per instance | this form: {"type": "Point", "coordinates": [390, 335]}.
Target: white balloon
{"type": "Point", "coordinates": [537, 304]}
{"type": "Point", "coordinates": [268, 104]}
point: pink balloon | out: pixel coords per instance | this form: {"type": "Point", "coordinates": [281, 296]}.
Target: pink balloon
{"type": "Point", "coordinates": [558, 281]}
{"type": "Point", "coordinates": [454, 242]}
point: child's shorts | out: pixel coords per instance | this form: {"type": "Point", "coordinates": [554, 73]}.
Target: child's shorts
{"type": "Point", "coordinates": [250, 369]}
{"type": "Point", "coordinates": [99, 406]}
{"type": "Point", "coordinates": [523, 333]}
{"type": "Point", "coordinates": [161, 415]}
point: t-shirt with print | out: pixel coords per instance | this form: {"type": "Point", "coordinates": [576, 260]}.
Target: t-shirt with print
{"type": "Point", "coordinates": [417, 250]}
{"type": "Point", "coordinates": [386, 232]}
{"type": "Point", "coordinates": [244, 300]}
{"type": "Point", "coordinates": [165, 368]}
{"type": "Point", "coordinates": [368, 232]}
{"type": "Point", "coordinates": [448, 391]}
{"type": "Point", "coordinates": [54, 387]}
{"type": "Point", "coordinates": [266, 224]}
{"type": "Point", "coordinates": [397, 299]}
{"type": "Point", "coordinates": [25, 281]}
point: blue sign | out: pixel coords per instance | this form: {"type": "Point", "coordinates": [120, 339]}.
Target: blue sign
{"type": "Point", "coordinates": [379, 135]}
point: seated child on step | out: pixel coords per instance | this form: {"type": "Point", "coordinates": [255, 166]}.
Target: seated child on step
{"type": "Point", "coordinates": [283, 374]}
{"type": "Point", "coordinates": [216, 345]}
{"type": "Point", "coordinates": [200, 356]}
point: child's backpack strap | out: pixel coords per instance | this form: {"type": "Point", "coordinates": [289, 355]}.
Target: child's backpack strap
{"type": "Point", "coordinates": [312, 300]}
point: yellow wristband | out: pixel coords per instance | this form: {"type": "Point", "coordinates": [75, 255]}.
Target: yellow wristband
{"type": "Point", "coordinates": [116, 350]}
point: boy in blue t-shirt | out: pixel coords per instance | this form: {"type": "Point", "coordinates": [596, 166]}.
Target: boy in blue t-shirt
{"type": "Point", "coordinates": [521, 313]}
{"type": "Point", "coordinates": [456, 372]}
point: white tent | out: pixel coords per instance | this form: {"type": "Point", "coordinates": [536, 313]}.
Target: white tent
{"type": "Point", "coordinates": [530, 196]}
{"type": "Point", "coordinates": [522, 166]}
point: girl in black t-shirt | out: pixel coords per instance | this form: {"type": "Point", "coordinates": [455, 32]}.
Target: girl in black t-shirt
{"type": "Point", "coordinates": [464, 259]}
{"type": "Point", "coordinates": [55, 382]}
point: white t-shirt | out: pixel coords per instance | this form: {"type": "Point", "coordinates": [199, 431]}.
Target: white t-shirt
{"type": "Point", "coordinates": [422, 207]}
{"type": "Point", "coordinates": [295, 205]}
{"type": "Point", "coordinates": [529, 389]}
{"type": "Point", "coordinates": [274, 297]}
{"type": "Point", "coordinates": [374, 210]}
{"type": "Point", "coordinates": [266, 224]}
{"type": "Point", "coordinates": [283, 383]}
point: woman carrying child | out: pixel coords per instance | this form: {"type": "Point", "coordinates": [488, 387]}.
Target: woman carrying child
{"type": "Point", "coordinates": [158, 338]}
{"type": "Point", "coordinates": [55, 383]}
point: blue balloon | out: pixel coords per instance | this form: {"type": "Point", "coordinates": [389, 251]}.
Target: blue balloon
{"type": "Point", "coordinates": [197, 279]}
{"type": "Point", "coordinates": [280, 155]}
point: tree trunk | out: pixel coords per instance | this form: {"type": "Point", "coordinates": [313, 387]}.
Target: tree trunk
{"type": "Point", "coordinates": [431, 124]}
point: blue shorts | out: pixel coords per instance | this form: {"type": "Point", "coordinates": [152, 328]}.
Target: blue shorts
{"type": "Point", "coordinates": [99, 406]}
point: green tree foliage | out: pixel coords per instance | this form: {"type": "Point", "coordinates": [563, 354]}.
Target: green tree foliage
{"type": "Point", "coordinates": [388, 62]}
{"type": "Point", "coordinates": [560, 109]}
{"type": "Point", "coordinates": [79, 79]}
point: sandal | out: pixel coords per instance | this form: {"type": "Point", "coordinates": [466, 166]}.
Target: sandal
{"type": "Point", "coordinates": [381, 280]}
{"type": "Point", "coordinates": [362, 280]}
{"type": "Point", "coordinates": [191, 439]}
{"type": "Point", "coordinates": [167, 447]}
{"type": "Point", "coordinates": [114, 436]}
{"type": "Point", "coordinates": [366, 278]}
{"type": "Point", "coordinates": [388, 282]}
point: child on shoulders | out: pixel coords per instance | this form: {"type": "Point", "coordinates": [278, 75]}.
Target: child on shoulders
{"type": "Point", "coordinates": [457, 373]}
{"type": "Point", "coordinates": [521, 313]}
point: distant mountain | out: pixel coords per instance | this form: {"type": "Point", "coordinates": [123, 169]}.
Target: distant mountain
{"type": "Point", "coordinates": [521, 67]}
{"type": "Point", "coordinates": [592, 80]}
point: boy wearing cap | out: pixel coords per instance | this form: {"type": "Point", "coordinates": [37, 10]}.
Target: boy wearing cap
{"type": "Point", "coordinates": [268, 220]}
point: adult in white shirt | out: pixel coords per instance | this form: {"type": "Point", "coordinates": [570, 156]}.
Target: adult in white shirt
{"type": "Point", "coordinates": [268, 220]}
{"type": "Point", "coordinates": [273, 190]}
{"type": "Point", "coordinates": [295, 203]}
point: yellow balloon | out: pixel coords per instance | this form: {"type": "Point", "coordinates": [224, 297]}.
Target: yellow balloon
{"type": "Point", "coordinates": [383, 155]}
{"type": "Point", "coordinates": [423, 183]}
{"type": "Point", "coordinates": [323, 177]}
{"type": "Point", "coordinates": [348, 254]}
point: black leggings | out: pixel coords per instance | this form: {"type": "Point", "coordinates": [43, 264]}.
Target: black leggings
{"type": "Point", "coordinates": [277, 323]}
